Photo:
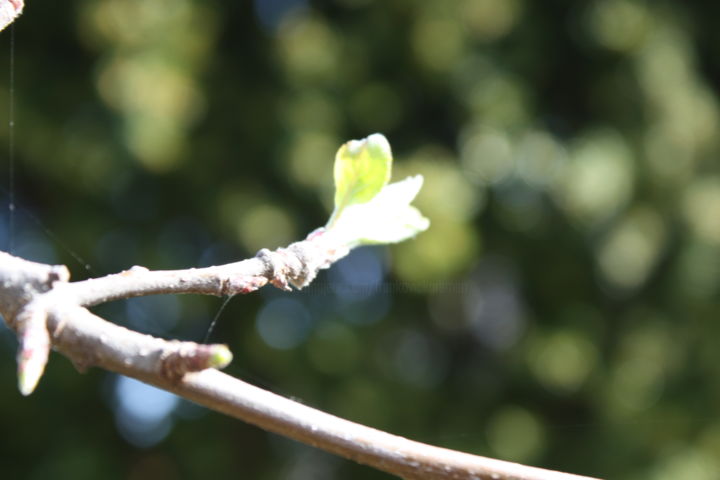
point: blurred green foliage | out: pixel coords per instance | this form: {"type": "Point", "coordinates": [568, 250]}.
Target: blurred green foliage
{"type": "Point", "coordinates": [561, 310]}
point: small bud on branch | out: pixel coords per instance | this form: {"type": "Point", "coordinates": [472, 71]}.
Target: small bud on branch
{"type": "Point", "coordinates": [183, 357]}
{"type": "Point", "coordinates": [34, 347]}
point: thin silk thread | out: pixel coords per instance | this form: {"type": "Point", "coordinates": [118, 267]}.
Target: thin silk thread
{"type": "Point", "coordinates": [11, 145]}
{"type": "Point", "coordinates": [217, 315]}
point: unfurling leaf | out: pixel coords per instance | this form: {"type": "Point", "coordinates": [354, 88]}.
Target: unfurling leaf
{"type": "Point", "coordinates": [367, 209]}
{"type": "Point", "coordinates": [387, 218]}
{"type": "Point", "coordinates": [362, 169]}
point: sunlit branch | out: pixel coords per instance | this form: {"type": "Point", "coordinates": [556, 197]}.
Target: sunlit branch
{"type": "Point", "coordinates": [43, 293]}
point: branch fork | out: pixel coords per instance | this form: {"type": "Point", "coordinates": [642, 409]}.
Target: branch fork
{"type": "Point", "coordinates": [44, 292]}
{"type": "Point", "coordinates": [45, 309]}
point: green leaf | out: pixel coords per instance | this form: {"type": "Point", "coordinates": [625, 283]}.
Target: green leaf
{"type": "Point", "coordinates": [362, 169]}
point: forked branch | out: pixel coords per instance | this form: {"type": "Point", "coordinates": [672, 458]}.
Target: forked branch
{"type": "Point", "coordinates": [45, 309]}
{"type": "Point", "coordinates": [31, 290]}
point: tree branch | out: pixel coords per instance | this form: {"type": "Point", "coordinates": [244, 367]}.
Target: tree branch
{"type": "Point", "coordinates": [295, 265]}
{"type": "Point", "coordinates": [38, 300]}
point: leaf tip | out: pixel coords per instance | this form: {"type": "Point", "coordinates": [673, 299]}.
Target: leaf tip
{"type": "Point", "coordinates": [379, 144]}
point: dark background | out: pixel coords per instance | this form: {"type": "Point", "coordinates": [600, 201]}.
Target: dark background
{"type": "Point", "coordinates": [562, 310]}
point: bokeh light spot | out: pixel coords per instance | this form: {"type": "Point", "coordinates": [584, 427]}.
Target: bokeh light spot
{"type": "Point", "coordinates": [701, 207]}
{"type": "Point", "coordinates": [490, 19]}
{"type": "Point", "coordinates": [645, 357]}
{"type": "Point", "coordinates": [309, 158]}
{"type": "Point", "coordinates": [540, 158]}
{"type": "Point", "coordinates": [283, 323]}
{"type": "Point", "coordinates": [308, 48]}
{"type": "Point", "coordinates": [357, 276]}
{"type": "Point", "coordinates": [265, 226]}
{"type": "Point", "coordinates": [143, 413]}
{"type": "Point", "coordinates": [632, 248]}
{"type": "Point", "coordinates": [562, 360]}
{"type": "Point", "coordinates": [486, 155]}
{"type": "Point", "coordinates": [515, 434]}
{"type": "Point", "coordinates": [619, 24]}
{"type": "Point", "coordinates": [437, 43]}
{"type": "Point", "coordinates": [599, 178]}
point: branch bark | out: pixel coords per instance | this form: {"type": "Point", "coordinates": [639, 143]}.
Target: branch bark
{"type": "Point", "coordinates": [37, 300]}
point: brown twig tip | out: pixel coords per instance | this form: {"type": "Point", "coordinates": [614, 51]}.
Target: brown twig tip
{"type": "Point", "coordinates": [184, 357]}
